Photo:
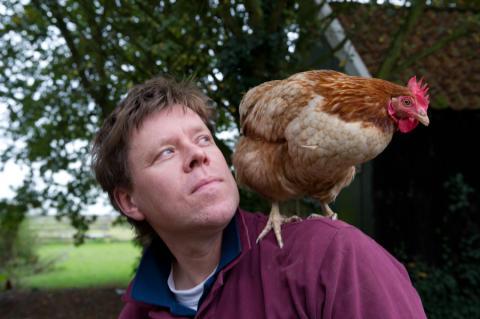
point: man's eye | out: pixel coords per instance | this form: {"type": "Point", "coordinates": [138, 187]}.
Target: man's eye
{"type": "Point", "coordinates": [204, 140]}
{"type": "Point", "coordinates": [166, 152]}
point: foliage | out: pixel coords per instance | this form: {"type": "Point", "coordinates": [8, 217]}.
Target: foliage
{"type": "Point", "coordinates": [450, 289]}
{"type": "Point", "coordinates": [11, 216]}
{"type": "Point", "coordinates": [18, 255]}
{"type": "Point", "coordinates": [65, 64]}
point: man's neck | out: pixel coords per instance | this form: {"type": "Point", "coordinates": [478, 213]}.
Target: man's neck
{"type": "Point", "coordinates": [194, 260]}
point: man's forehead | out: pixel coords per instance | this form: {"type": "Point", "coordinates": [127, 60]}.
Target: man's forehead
{"type": "Point", "coordinates": [170, 120]}
{"type": "Point", "coordinates": [176, 109]}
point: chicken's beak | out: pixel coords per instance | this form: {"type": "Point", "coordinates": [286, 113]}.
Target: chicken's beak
{"type": "Point", "coordinates": [422, 117]}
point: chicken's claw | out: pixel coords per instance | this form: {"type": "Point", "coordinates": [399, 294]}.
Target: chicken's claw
{"type": "Point", "coordinates": [332, 217]}
{"type": "Point", "coordinates": [275, 221]}
{"type": "Point", "coordinates": [328, 212]}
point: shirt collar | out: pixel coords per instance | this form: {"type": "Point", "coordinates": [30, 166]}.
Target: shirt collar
{"type": "Point", "coordinates": [150, 283]}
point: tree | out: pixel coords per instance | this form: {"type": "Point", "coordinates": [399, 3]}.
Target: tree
{"type": "Point", "coordinates": [65, 64]}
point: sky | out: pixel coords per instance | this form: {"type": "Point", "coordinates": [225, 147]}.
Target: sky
{"type": "Point", "coordinates": [12, 175]}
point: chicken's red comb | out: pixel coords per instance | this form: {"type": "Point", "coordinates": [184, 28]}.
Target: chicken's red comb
{"type": "Point", "coordinates": [420, 90]}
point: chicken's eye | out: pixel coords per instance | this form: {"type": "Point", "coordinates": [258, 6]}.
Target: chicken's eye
{"type": "Point", "coordinates": [407, 102]}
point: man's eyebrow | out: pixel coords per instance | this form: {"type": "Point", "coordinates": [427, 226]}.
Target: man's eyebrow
{"type": "Point", "coordinates": [198, 128]}
{"type": "Point", "coordinates": [195, 129]}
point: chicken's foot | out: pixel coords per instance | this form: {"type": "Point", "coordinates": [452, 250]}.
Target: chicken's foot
{"type": "Point", "coordinates": [275, 221]}
{"type": "Point", "coordinates": [327, 212]}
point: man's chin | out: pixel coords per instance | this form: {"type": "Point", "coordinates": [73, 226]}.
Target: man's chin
{"type": "Point", "coordinates": [219, 212]}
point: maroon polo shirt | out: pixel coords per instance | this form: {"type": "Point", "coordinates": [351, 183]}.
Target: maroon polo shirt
{"type": "Point", "coordinates": [326, 269]}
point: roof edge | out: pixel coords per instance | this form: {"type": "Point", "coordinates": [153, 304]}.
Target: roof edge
{"type": "Point", "coordinates": [347, 55]}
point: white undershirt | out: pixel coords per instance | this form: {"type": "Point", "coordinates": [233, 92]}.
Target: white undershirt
{"type": "Point", "coordinates": [188, 297]}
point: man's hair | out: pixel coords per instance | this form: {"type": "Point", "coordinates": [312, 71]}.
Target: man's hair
{"type": "Point", "coordinates": [112, 142]}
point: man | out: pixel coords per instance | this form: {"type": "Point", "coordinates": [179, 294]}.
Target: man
{"type": "Point", "coordinates": [157, 159]}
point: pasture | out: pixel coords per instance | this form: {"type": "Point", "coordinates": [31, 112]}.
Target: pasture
{"type": "Point", "coordinates": [107, 258]}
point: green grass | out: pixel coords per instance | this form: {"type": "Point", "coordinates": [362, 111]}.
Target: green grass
{"type": "Point", "coordinates": [91, 264]}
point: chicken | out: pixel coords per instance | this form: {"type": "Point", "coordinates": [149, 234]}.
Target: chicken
{"type": "Point", "coordinates": [303, 136]}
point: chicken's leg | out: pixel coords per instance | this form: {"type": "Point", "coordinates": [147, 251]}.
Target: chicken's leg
{"type": "Point", "coordinates": [275, 221]}
{"type": "Point", "coordinates": [327, 212]}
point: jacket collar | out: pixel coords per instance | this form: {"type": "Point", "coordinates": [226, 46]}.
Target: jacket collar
{"type": "Point", "coordinates": [150, 283]}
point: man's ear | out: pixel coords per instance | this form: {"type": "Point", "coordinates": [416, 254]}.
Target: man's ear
{"type": "Point", "coordinates": [127, 203]}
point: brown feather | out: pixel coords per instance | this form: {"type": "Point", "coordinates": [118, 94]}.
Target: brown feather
{"type": "Point", "coordinates": [304, 135]}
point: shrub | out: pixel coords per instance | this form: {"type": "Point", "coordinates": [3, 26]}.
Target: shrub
{"type": "Point", "coordinates": [450, 288]}
{"type": "Point", "coordinates": [18, 255]}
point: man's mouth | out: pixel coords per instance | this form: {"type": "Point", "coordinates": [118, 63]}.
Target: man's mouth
{"type": "Point", "coordinates": [204, 182]}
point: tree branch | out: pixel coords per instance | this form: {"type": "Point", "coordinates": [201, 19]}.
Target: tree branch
{"type": "Point", "coordinates": [255, 12]}
{"type": "Point", "coordinates": [393, 53]}
{"type": "Point", "coordinates": [276, 16]}
{"type": "Point", "coordinates": [228, 20]}
{"type": "Point", "coordinates": [150, 60]}
{"type": "Point", "coordinates": [461, 31]}
{"type": "Point", "coordinates": [75, 55]}
{"type": "Point", "coordinates": [148, 13]}
{"type": "Point", "coordinates": [100, 56]}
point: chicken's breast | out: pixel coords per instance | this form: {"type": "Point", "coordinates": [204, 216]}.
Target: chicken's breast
{"type": "Point", "coordinates": [321, 142]}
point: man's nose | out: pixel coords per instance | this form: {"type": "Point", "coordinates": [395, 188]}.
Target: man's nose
{"type": "Point", "coordinates": [196, 156]}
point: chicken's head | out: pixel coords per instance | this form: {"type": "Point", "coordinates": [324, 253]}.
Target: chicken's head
{"type": "Point", "coordinates": [407, 110]}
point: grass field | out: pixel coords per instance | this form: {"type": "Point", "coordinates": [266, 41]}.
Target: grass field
{"type": "Point", "coordinates": [107, 258]}
{"type": "Point", "coordinates": [95, 263]}
{"type": "Point", "coordinates": [48, 229]}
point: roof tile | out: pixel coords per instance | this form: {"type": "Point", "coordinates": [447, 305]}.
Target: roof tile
{"type": "Point", "coordinates": [452, 72]}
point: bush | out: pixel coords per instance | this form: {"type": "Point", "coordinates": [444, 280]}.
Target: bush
{"type": "Point", "coordinates": [18, 255]}
{"type": "Point", "coordinates": [450, 288]}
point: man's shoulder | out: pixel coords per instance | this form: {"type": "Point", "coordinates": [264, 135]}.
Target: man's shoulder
{"type": "Point", "coordinates": [322, 236]}
{"type": "Point", "coordinates": [311, 226]}
{"type": "Point", "coordinates": [317, 239]}
{"type": "Point", "coordinates": [313, 234]}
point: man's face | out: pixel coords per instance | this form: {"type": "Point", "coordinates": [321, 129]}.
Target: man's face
{"type": "Point", "coordinates": [181, 181]}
